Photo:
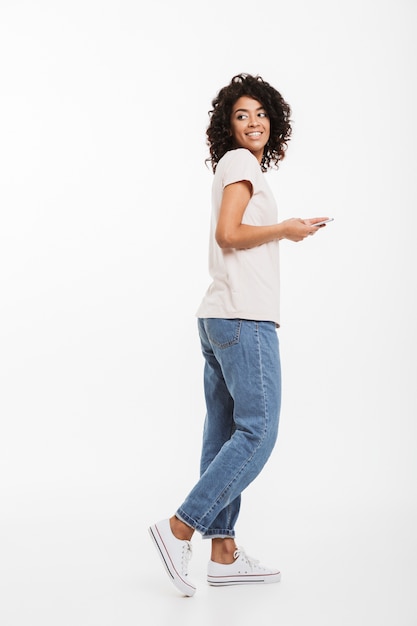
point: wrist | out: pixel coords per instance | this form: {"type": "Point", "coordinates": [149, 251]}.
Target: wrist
{"type": "Point", "coordinates": [281, 231]}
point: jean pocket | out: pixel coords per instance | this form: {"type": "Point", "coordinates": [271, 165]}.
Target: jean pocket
{"type": "Point", "coordinates": [223, 333]}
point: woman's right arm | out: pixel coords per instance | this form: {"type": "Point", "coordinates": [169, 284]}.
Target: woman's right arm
{"type": "Point", "coordinates": [231, 233]}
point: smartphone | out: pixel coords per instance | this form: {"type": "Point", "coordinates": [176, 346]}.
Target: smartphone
{"type": "Point", "coordinates": [323, 222]}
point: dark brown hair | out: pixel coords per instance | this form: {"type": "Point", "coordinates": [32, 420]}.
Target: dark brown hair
{"type": "Point", "coordinates": [218, 133]}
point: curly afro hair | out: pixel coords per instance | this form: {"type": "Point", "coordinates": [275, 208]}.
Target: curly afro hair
{"type": "Point", "coordinates": [218, 134]}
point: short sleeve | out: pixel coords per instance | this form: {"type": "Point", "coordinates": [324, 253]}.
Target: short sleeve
{"type": "Point", "coordinates": [242, 165]}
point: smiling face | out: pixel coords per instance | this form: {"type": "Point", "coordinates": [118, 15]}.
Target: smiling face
{"type": "Point", "coordinates": [250, 125]}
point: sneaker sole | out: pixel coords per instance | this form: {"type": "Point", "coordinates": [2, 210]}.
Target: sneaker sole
{"type": "Point", "coordinates": [222, 581]}
{"type": "Point", "coordinates": [180, 583]}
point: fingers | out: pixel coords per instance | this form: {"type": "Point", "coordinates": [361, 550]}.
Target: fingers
{"type": "Point", "coordinates": [316, 220]}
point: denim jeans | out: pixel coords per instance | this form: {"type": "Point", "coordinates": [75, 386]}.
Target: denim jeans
{"type": "Point", "coordinates": [242, 386]}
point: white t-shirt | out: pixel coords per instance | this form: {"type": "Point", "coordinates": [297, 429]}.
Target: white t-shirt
{"type": "Point", "coordinates": [245, 283]}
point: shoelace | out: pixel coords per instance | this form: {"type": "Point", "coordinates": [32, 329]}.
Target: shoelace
{"type": "Point", "coordinates": [187, 553]}
{"type": "Point", "coordinates": [250, 560]}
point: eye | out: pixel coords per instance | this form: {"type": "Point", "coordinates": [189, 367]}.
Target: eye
{"type": "Point", "coordinates": [262, 114]}
{"type": "Point", "coordinates": [241, 116]}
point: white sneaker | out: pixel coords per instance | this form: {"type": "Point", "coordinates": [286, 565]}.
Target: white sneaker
{"type": "Point", "coordinates": [243, 571]}
{"type": "Point", "coordinates": [175, 554]}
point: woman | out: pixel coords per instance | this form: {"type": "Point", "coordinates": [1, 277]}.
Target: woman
{"type": "Point", "coordinates": [247, 135]}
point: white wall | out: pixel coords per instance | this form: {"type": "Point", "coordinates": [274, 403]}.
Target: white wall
{"type": "Point", "coordinates": [105, 201]}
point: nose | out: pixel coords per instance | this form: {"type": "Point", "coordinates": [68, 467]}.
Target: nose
{"type": "Point", "coordinates": [253, 121]}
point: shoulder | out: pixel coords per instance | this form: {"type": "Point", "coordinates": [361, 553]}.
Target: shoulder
{"type": "Point", "coordinates": [236, 163]}
{"type": "Point", "coordinates": [238, 155]}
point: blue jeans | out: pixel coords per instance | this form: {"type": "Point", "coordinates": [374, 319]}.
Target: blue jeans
{"type": "Point", "coordinates": [242, 386]}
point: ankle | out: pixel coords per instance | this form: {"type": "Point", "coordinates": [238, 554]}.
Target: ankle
{"type": "Point", "coordinates": [223, 550]}
{"type": "Point", "coordinates": [180, 530]}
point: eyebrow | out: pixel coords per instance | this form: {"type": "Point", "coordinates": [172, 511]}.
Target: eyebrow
{"type": "Point", "coordinates": [247, 110]}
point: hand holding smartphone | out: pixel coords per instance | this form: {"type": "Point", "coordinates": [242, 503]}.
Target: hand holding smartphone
{"type": "Point", "coordinates": [330, 219]}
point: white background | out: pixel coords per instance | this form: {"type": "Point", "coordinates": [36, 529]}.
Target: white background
{"type": "Point", "coordinates": [105, 202]}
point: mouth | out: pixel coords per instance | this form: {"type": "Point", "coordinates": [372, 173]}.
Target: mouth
{"type": "Point", "coordinates": [254, 134]}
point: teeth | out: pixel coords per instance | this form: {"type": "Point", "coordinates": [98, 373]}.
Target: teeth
{"type": "Point", "coordinates": [257, 134]}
